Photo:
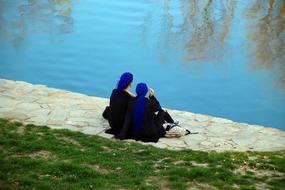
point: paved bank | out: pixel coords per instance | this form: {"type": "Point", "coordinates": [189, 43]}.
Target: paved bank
{"type": "Point", "coordinates": [60, 109]}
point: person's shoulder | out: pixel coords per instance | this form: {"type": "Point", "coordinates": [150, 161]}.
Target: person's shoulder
{"type": "Point", "coordinates": [114, 91]}
{"type": "Point", "coordinates": [127, 94]}
{"type": "Point", "coordinates": [148, 99]}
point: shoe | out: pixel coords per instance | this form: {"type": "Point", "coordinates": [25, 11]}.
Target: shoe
{"type": "Point", "coordinates": [170, 126]}
{"type": "Point", "coordinates": [167, 127]}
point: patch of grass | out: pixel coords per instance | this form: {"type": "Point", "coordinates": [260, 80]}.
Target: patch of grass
{"type": "Point", "coordinates": [36, 157]}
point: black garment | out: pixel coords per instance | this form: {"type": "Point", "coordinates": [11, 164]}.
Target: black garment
{"type": "Point", "coordinates": [152, 128]}
{"type": "Point", "coordinates": [115, 113]}
{"type": "Point", "coordinates": [168, 118]}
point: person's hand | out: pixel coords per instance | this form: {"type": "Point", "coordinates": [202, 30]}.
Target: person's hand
{"type": "Point", "coordinates": [151, 92]}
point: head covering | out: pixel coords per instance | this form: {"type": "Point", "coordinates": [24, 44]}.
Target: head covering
{"type": "Point", "coordinates": [138, 113]}
{"type": "Point", "coordinates": [125, 79]}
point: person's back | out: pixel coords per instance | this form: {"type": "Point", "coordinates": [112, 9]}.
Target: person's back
{"type": "Point", "coordinates": [150, 131]}
{"type": "Point", "coordinates": [141, 119]}
{"type": "Point", "coordinates": [115, 112]}
{"type": "Point", "coordinates": [118, 108]}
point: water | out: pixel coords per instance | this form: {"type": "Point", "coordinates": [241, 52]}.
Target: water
{"type": "Point", "coordinates": [222, 58]}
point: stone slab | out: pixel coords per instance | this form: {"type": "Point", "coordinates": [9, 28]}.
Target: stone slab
{"type": "Point", "coordinates": [61, 109]}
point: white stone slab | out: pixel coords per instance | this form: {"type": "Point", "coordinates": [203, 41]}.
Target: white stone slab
{"type": "Point", "coordinates": [61, 109]}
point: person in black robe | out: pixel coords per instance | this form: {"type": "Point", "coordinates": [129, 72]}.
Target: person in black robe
{"type": "Point", "coordinates": [144, 118]}
{"type": "Point", "coordinates": [116, 111]}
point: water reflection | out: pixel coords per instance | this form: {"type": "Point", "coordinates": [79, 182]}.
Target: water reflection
{"type": "Point", "coordinates": [20, 18]}
{"type": "Point", "coordinates": [267, 35]}
{"type": "Point", "coordinates": [203, 35]}
{"type": "Point", "coordinates": [206, 25]}
{"type": "Point", "coordinates": [200, 29]}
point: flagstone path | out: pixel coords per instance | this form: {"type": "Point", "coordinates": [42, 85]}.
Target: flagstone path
{"type": "Point", "coordinates": [61, 109]}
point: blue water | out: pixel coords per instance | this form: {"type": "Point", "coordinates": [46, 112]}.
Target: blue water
{"type": "Point", "coordinates": [221, 58]}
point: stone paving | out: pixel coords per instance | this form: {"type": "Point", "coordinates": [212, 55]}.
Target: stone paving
{"type": "Point", "coordinates": [60, 109]}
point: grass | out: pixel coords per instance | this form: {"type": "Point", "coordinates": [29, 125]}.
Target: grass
{"type": "Point", "coordinates": [36, 157]}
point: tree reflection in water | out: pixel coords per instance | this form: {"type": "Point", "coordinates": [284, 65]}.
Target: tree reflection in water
{"type": "Point", "coordinates": [209, 26]}
{"type": "Point", "coordinates": [204, 33]}
{"type": "Point", "coordinates": [198, 31]}
{"type": "Point", "coordinates": [267, 32]}
{"type": "Point", "coordinates": [21, 18]}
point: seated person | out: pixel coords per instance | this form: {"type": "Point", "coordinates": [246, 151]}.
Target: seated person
{"type": "Point", "coordinates": [115, 112]}
{"type": "Point", "coordinates": [142, 122]}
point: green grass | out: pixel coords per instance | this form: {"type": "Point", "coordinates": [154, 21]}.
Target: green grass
{"type": "Point", "coordinates": [36, 157]}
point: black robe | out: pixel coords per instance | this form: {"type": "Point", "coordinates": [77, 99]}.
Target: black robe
{"type": "Point", "coordinates": [117, 111]}
{"type": "Point", "coordinates": [152, 128]}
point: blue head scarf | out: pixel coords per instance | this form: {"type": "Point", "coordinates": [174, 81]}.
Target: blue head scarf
{"type": "Point", "coordinates": [125, 79]}
{"type": "Point", "coordinates": [138, 113]}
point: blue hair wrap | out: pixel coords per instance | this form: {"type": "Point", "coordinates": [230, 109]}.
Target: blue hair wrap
{"type": "Point", "coordinates": [138, 113]}
{"type": "Point", "coordinates": [125, 79]}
